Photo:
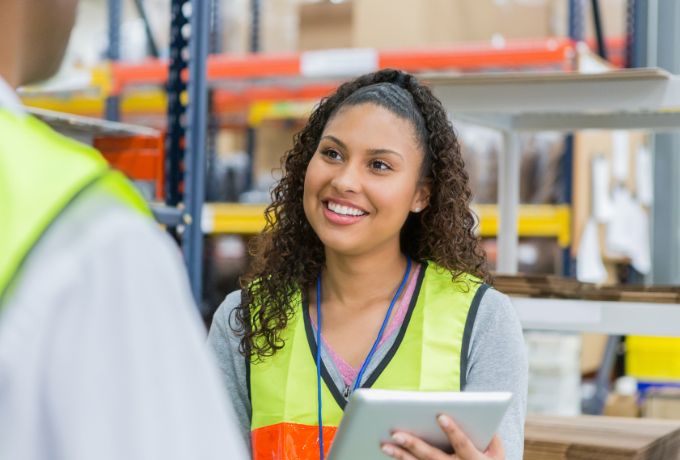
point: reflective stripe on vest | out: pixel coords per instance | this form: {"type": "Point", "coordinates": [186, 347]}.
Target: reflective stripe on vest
{"type": "Point", "coordinates": [41, 173]}
{"type": "Point", "coordinates": [426, 356]}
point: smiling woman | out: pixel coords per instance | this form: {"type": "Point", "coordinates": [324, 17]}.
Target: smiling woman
{"type": "Point", "coordinates": [368, 274]}
{"type": "Point", "coordinates": [363, 181]}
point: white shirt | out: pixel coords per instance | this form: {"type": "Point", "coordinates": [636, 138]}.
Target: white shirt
{"type": "Point", "coordinates": [8, 99]}
{"type": "Point", "coordinates": [102, 354]}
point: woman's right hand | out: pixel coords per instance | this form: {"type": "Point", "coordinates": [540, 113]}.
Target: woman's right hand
{"type": "Point", "coordinates": [409, 447]}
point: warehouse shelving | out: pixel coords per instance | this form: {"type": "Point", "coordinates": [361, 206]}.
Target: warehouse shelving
{"type": "Point", "coordinates": [526, 102]}
{"type": "Point", "coordinates": [240, 82]}
{"type": "Point", "coordinates": [137, 151]}
{"type": "Point", "coordinates": [289, 76]}
{"type": "Point", "coordinates": [622, 99]}
{"type": "Point", "coordinates": [534, 220]}
{"type": "Point", "coordinates": [140, 85]}
{"type": "Point", "coordinates": [604, 317]}
{"type": "Point", "coordinates": [305, 76]}
{"type": "Point", "coordinates": [341, 63]}
{"type": "Point", "coordinates": [77, 125]}
{"type": "Point", "coordinates": [310, 75]}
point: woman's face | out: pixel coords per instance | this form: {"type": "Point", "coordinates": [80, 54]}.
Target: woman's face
{"type": "Point", "coordinates": [363, 180]}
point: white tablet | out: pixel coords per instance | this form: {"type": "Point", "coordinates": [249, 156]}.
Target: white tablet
{"type": "Point", "coordinates": [371, 416]}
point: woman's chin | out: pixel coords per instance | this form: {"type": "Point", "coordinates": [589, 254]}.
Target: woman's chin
{"type": "Point", "coordinates": [343, 247]}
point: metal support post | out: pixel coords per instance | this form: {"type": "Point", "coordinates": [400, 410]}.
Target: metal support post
{"type": "Point", "coordinates": [576, 27]}
{"type": "Point", "coordinates": [664, 39]}
{"type": "Point", "coordinates": [576, 20]}
{"type": "Point", "coordinates": [599, 31]}
{"type": "Point", "coordinates": [216, 30]}
{"type": "Point", "coordinates": [567, 166]}
{"type": "Point", "coordinates": [151, 41]}
{"type": "Point", "coordinates": [595, 404]}
{"type": "Point", "coordinates": [195, 145]}
{"type": "Point", "coordinates": [174, 145]}
{"type": "Point", "coordinates": [251, 138]}
{"type": "Point", "coordinates": [215, 47]}
{"type": "Point", "coordinates": [115, 11]}
{"type": "Point", "coordinates": [508, 202]}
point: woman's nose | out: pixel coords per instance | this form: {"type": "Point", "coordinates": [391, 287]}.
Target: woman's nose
{"type": "Point", "coordinates": [347, 179]}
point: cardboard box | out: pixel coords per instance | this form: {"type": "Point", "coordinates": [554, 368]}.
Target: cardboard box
{"type": "Point", "coordinates": [484, 19]}
{"type": "Point", "coordinates": [278, 26]}
{"type": "Point", "coordinates": [601, 438]}
{"type": "Point", "coordinates": [662, 403]}
{"type": "Point", "coordinates": [592, 351]}
{"type": "Point", "coordinates": [272, 140]}
{"type": "Point", "coordinates": [289, 25]}
{"type": "Point", "coordinates": [621, 406]}
{"type": "Point", "coordinates": [612, 14]}
{"type": "Point", "coordinates": [325, 25]}
{"type": "Point", "coordinates": [386, 24]}
{"type": "Point", "coordinates": [279, 29]}
{"type": "Point", "coordinates": [389, 24]}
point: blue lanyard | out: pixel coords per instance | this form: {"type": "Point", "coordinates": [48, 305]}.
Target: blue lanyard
{"type": "Point", "coordinates": [364, 366]}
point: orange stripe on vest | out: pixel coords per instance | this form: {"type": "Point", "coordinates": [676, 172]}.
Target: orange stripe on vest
{"type": "Point", "coordinates": [293, 440]}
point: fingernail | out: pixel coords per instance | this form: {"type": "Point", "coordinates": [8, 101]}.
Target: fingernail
{"type": "Point", "coordinates": [399, 439]}
{"type": "Point", "coordinates": [444, 421]}
{"type": "Point", "coordinates": [388, 450]}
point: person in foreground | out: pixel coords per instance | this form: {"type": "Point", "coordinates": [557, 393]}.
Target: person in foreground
{"type": "Point", "coordinates": [368, 274]}
{"type": "Point", "coordinates": [102, 355]}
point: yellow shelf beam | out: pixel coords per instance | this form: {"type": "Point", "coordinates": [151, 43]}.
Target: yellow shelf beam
{"type": "Point", "coordinates": [279, 110]}
{"type": "Point", "coordinates": [234, 218]}
{"type": "Point", "coordinates": [155, 102]}
{"type": "Point", "coordinates": [541, 220]}
{"type": "Point", "coordinates": [138, 102]}
{"type": "Point", "coordinates": [551, 221]}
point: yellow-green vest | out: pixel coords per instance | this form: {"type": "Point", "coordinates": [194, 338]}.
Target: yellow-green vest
{"type": "Point", "coordinates": [41, 174]}
{"type": "Point", "coordinates": [429, 354]}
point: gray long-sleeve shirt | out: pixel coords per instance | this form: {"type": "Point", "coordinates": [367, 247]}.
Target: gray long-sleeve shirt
{"type": "Point", "coordinates": [496, 362]}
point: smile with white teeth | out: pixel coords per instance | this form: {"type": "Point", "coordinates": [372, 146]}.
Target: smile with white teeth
{"type": "Point", "coordinates": [344, 210]}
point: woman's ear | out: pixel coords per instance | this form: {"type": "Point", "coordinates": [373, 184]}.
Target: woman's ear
{"type": "Point", "coordinates": [421, 199]}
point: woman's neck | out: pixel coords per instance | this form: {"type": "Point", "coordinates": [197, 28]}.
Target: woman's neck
{"type": "Point", "coordinates": [356, 281]}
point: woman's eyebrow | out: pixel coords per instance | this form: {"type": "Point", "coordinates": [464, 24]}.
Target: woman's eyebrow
{"type": "Point", "coordinates": [336, 140]}
{"type": "Point", "coordinates": [385, 151]}
{"type": "Point", "coordinates": [372, 152]}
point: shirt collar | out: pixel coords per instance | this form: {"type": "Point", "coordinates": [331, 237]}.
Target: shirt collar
{"type": "Point", "coordinates": [9, 99]}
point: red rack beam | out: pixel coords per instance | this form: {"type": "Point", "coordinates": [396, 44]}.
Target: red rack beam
{"type": "Point", "coordinates": [476, 56]}
{"type": "Point", "coordinates": [466, 57]}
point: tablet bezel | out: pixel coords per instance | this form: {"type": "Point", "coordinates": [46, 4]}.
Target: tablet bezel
{"type": "Point", "coordinates": [371, 415]}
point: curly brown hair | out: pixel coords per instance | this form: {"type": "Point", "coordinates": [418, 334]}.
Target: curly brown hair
{"type": "Point", "coordinates": [288, 255]}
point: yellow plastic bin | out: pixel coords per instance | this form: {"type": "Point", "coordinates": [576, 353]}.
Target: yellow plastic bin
{"type": "Point", "coordinates": [656, 358]}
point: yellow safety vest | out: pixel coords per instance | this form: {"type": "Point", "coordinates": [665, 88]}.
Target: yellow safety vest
{"type": "Point", "coordinates": [41, 174]}
{"type": "Point", "coordinates": [429, 354]}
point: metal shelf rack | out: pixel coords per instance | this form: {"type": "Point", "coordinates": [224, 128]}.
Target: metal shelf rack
{"type": "Point", "coordinates": [621, 99]}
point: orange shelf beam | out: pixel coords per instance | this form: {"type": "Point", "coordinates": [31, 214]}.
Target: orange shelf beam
{"type": "Point", "coordinates": [465, 57]}
{"type": "Point", "coordinates": [224, 100]}
{"type": "Point", "coordinates": [524, 53]}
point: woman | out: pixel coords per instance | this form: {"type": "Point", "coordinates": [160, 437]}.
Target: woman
{"type": "Point", "coordinates": [370, 236]}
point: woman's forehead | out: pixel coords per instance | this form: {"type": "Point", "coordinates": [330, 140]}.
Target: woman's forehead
{"type": "Point", "coordinates": [372, 126]}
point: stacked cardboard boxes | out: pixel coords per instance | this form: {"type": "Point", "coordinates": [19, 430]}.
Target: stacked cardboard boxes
{"type": "Point", "coordinates": [601, 438]}
{"type": "Point", "coordinates": [389, 24]}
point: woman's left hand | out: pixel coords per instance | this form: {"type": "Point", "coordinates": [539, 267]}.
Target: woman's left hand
{"type": "Point", "coordinates": [409, 447]}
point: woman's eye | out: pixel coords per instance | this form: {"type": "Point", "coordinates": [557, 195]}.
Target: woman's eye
{"type": "Point", "coordinates": [380, 165]}
{"type": "Point", "coordinates": [332, 154]}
